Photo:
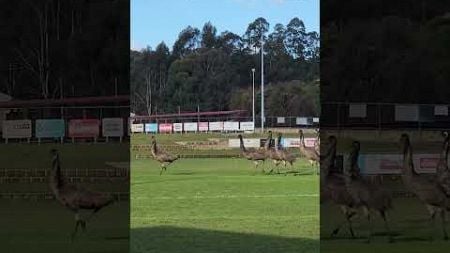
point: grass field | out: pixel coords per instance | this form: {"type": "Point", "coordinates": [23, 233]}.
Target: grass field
{"type": "Point", "coordinates": [44, 225]}
{"type": "Point", "coordinates": [221, 205]}
{"type": "Point", "coordinates": [409, 223]}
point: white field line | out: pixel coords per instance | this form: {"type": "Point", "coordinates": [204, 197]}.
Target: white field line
{"type": "Point", "coordinates": [230, 196]}
{"type": "Point", "coordinates": [225, 218]}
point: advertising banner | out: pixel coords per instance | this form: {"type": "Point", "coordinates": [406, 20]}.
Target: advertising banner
{"type": "Point", "coordinates": [151, 128]}
{"type": "Point", "coordinates": [190, 127]}
{"type": "Point", "coordinates": [203, 126]}
{"type": "Point", "coordinates": [392, 163]}
{"type": "Point", "coordinates": [406, 112]}
{"type": "Point", "coordinates": [17, 128]}
{"type": "Point", "coordinates": [231, 126]}
{"type": "Point", "coordinates": [295, 142]}
{"type": "Point", "coordinates": [112, 127]}
{"type": "Point", "coordinates": [84, 128]}
{"type": "Point", "coordinates": [248, 143]}
{"type": "Point", "coordinates": [178, 127]}
{"type": "Point", "coordinates": [216, 126]}
{"type": "Point", "coordinates": [246, 126]}
{"type": "Point", "coordinates": [357, 110]}
{"type": "Point", "coordinates": [137, 128]}
{"type": "Point", "coordinates": [50, 128]}
{"type": "Point", "coordinates": [165, 128]}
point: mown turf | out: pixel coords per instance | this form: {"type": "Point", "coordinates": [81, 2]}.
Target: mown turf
{"type": "Point", "coordinates": [222, 205]}
{"type": "Point", "coordinates": [409, 222]}
{"type": "Point", "coordinates": [45, 226]}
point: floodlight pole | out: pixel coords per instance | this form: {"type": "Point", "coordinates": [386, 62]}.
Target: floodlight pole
{"type": "Point", "coordinates": [262, 84]}
{"type": "Point", "coordinates": [253, 97]}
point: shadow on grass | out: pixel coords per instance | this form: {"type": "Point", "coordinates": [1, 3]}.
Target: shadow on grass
{"type": "Point", "coordinates": [170, 239]}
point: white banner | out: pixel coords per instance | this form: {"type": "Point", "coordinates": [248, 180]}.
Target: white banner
{"type": "Point", "coordinates": [216, 126]}
{"type": "Point", "coordinates": [280, 120]}
{"type": "Point", "coordinates": [178, 127]}
{"type": "Point", "coordinates": [295, 142]}
{"type": "Point", "coordinates": [248, 143]}
{"type": "Point", "coordinates": [357, 111]}
{"type": "Point", "coordinates": [112, 127]}
{"type": "Point", "coordinates": [190, 127]}
{"type": "Point", "coordinates": [137, 128]}
{"type": "Point", "coordinates": [17, 129]}
{"type": "Point", "coordinates": [315, 120]}
{"type": "Point", "coordinates": [230, 126]}
{"type": "Point", "coordinates": [406, 112]}
{"type": "Point", "coordinates": [441, 110]}
{"type": "Point", "coordinates": [392, 163]}
{"type": "Point", "coordinates": [203, 126]}
{"type": "Point", "coordinates": [301, 121]}
{"type": "Point", "coordinates": [246, 126]}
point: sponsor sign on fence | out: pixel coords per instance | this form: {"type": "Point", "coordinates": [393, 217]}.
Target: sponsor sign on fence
{"type": "Point", "coordinates": [406, 112]}
{"type": "Point", "coordinates": [112, 127]}
{"type": "Point", "coordinates": [248, 143]}
{"type": "Point", "coordinates": [295, 142]}
{"type": "Point", "coordinates": [151, 128]}
{"type": "Point", "coordinates": [302, 121]}
{"type": "Point", "coordinates": [178, 127]}
{"type": "Point", "coordinates": [231, 126]}
{"type": "Point", "coordinates": [246, 126]}
{"type": "Point", "coordinates": [216, 126]}
{"type": "Point", "coordinates": [50, 128]}
{"type": "Point", "coordinates": [137, 128]}
{"type": "Point", "coordinates": [190, 127]}
{"type": "Point", "coordinates": [84, 128]}
{"type": "Point", "coordinates": [357, 110]}
{"type": "Point", "coordinates": [392, 163]}
{"type": "Point", "coordinates": [203, 126]}
{"type": "Point", "coordinates": [165, 128]}
{"type": "Point", "coordinates": [281, 120]}
{"type": "Point", "coordinates": [441, 110]}
{"type": "Point", "coordinates": [17, 129]}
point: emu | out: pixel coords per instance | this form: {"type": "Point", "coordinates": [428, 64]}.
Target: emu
{"type": "Point", "coordinates": [333, 187]}
{"type": "Point", "coordinates": [310, 153]}
{"type": "Point", "coordinates": [252, 155]}
{"type": "Point", "coordinates": [364, 194]}
{"type": "Point", "coordinates": [442, 171]}
{"type": "Point", "coordinates": [164, 158]}
{"type": "Point", "coordinates": [73, 197]}
{"type": "Point", "coordinates": [285, 156]}
{"type": "Point", "coordinates": [428, 192]}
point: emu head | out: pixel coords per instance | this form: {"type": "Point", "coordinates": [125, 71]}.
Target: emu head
{"type": "Point", "coordinates": [404, 141]}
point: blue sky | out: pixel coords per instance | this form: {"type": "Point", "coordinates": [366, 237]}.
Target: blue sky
{"type": "Point", "coordinates": [153, 21]}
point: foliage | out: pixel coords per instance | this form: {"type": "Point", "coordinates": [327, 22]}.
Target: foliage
{"type": "Point", "coordinates": [213, 71]}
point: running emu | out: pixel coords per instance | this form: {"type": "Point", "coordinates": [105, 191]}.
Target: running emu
{"type": "Point", "coordinates": [252, 155]}
{"type": "Point", "coordinates": [364, 194]}
{"type": "Point", "coordinates": [164, 158]}
{"type": "Point", "coordinates": [430, 193]}
{"type": "Point", "coordinates": [73, 197]}
{"type": "Point", "coordinates": [332, 187]}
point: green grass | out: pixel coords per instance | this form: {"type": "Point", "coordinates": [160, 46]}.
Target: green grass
{"type": "Point", "coordinates": [408, 221]}
{"type": "Point", "coordinates": [45, 226]}
{"type": "Point", "coordinates": [222, 205]}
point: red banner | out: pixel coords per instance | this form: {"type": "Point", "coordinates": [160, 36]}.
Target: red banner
{"type": "Point", "coordinates": [203, 126]}
{"type": "Point", "coordinates": [165, 128]}
{"type": "Point", "coordinates": [84, 128]}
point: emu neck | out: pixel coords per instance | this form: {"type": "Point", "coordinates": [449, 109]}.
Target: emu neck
{"type": "Point", "coordinates": [408, 164]}
{"type": "Point", "coordinates": [154, 148]}
{"type": "Point", "coordinates": [241, 145]}
{"type": "Point", "coordinates": [267, 144]}
{"type": "Point", "coordinates": [57, 181]}
{"type": "Point", "coordinates": [444, 153]}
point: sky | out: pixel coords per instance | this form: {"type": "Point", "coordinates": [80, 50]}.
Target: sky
{"type": "Point", "coordinates": [153, 21]}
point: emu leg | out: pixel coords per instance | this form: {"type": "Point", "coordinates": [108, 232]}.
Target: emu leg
{"type": "Point", "coordinates": [348, 216]}
{"type": "Point", "coordinates": [78, 221]}
{"type": "Point", "coordinates": [367, 213]}
{"type": "Point", "coordinates": [388, 230]}
{"type": "Point", "coordinates": [432, 211]}
{"type": "Point", "coordinates": [163, 167]}
{"type": "Point", "coordinates": [444, 224]}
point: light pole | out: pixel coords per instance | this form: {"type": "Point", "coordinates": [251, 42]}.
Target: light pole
{"type": "Point", "coordinates": [253, 97]}
{"type": "Point", "coordinates": [262, 84]}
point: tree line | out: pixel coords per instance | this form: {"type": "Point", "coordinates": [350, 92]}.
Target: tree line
{"type": "Point", "coordinates": [64, 48]}
{"type": "Point", "coordinates": [213, 70]}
